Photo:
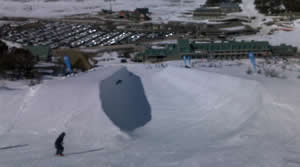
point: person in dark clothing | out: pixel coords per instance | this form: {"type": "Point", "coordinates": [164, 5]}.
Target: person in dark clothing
{"type": "Point", "coordinates": [59, 144]}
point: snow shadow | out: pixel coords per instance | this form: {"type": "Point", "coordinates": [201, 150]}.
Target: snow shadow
{"type": "Point", "coordinates": [4, 88]}
{"type": "Point", "coordinates": [84, 152]}
{"type": "Point", "coordinates": [14, 146]}
{"type": "Point", "coordinates": [124, 101]}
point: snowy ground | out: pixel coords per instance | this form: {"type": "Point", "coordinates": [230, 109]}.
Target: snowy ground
{"type": "Point", "coordinates": [200, 117]}
{"type": "Point", "coordinates": [11, 44]}
{"type": "Point", "coordinates": [161, 9]}
{"type": "Point", "coordinates": [279, 37]}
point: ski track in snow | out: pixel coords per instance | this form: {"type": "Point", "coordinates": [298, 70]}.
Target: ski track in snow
{"type": "Point", "coordinates": [22, 109]}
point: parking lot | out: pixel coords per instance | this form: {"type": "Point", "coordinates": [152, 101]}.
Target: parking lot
{"type": "Point", "coordinates": [68, 35]}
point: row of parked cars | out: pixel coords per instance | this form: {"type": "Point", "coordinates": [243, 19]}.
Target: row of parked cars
{"type": "Point", "coordinates": [58, 34]}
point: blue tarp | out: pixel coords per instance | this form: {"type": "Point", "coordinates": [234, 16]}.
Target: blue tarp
{"type": "Point", "coordinates": [189, 60]}
{"type": "Point", "coordinates": [252, 60]}
{"type": "Point", "coordinates": [68, 64]}
{"type": "Point", "coordinates": [124, 101]}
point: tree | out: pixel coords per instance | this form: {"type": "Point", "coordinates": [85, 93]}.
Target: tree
{"type": "Point", "coordinates": [3, 54]}
{"type": "Point", "coordinates": [18, 64]}
{"type": "Point", "coordinates": [292, 5]}
{"type": "Point", "coordinates": [214, 2]}
{"type": "Point", "coordinates": [3, 48]}
{"type": "Point", "coordinates": [277, 6]}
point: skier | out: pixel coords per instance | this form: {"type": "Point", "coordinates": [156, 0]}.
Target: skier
{"type": "Point", "coordinates": [59, 144]}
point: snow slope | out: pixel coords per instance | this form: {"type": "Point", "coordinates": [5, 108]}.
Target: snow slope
{"type": "Point", "coordinates": [198, 119]}
{"type": "Point", "coordinates": [36, 115]}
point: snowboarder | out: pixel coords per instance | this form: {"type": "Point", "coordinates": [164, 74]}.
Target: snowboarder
{"type": "Point", "coordinates": [118, 82]}
{"type": "Point", "coordinates": [59, 144]}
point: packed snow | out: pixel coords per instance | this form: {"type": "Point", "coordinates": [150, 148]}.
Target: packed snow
{"type": "Point", "coordinates": [200, 117]}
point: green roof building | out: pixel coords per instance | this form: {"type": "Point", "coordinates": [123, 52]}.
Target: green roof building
{"type": "Point", "coordinates": [216, 50]}
{"type": "Point", "coordinates": [230, 7]}
{"type": "Point", "coordinates": [42, 52]}
{"type": "Point", "coordinates": [233, 48]}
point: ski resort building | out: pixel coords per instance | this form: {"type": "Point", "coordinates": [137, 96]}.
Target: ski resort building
{"type": "Point", "coordinates": [43, 53]}
{"type": "Point", "coordinates": [231, 49]}
{"type": "Point", "coordinates": [217, 10]}
{"type": "Point", "coordinates": [208, 13]}
{"type": "Point", "coordinates": [215, 50]}
{"type": "Point", "coordinates": [230, 7]}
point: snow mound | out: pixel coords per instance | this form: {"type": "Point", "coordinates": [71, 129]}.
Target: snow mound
{"type": "Point", "coordinates": [198, 119]}
{"type": "Point", "coordinates": [221, 104]}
